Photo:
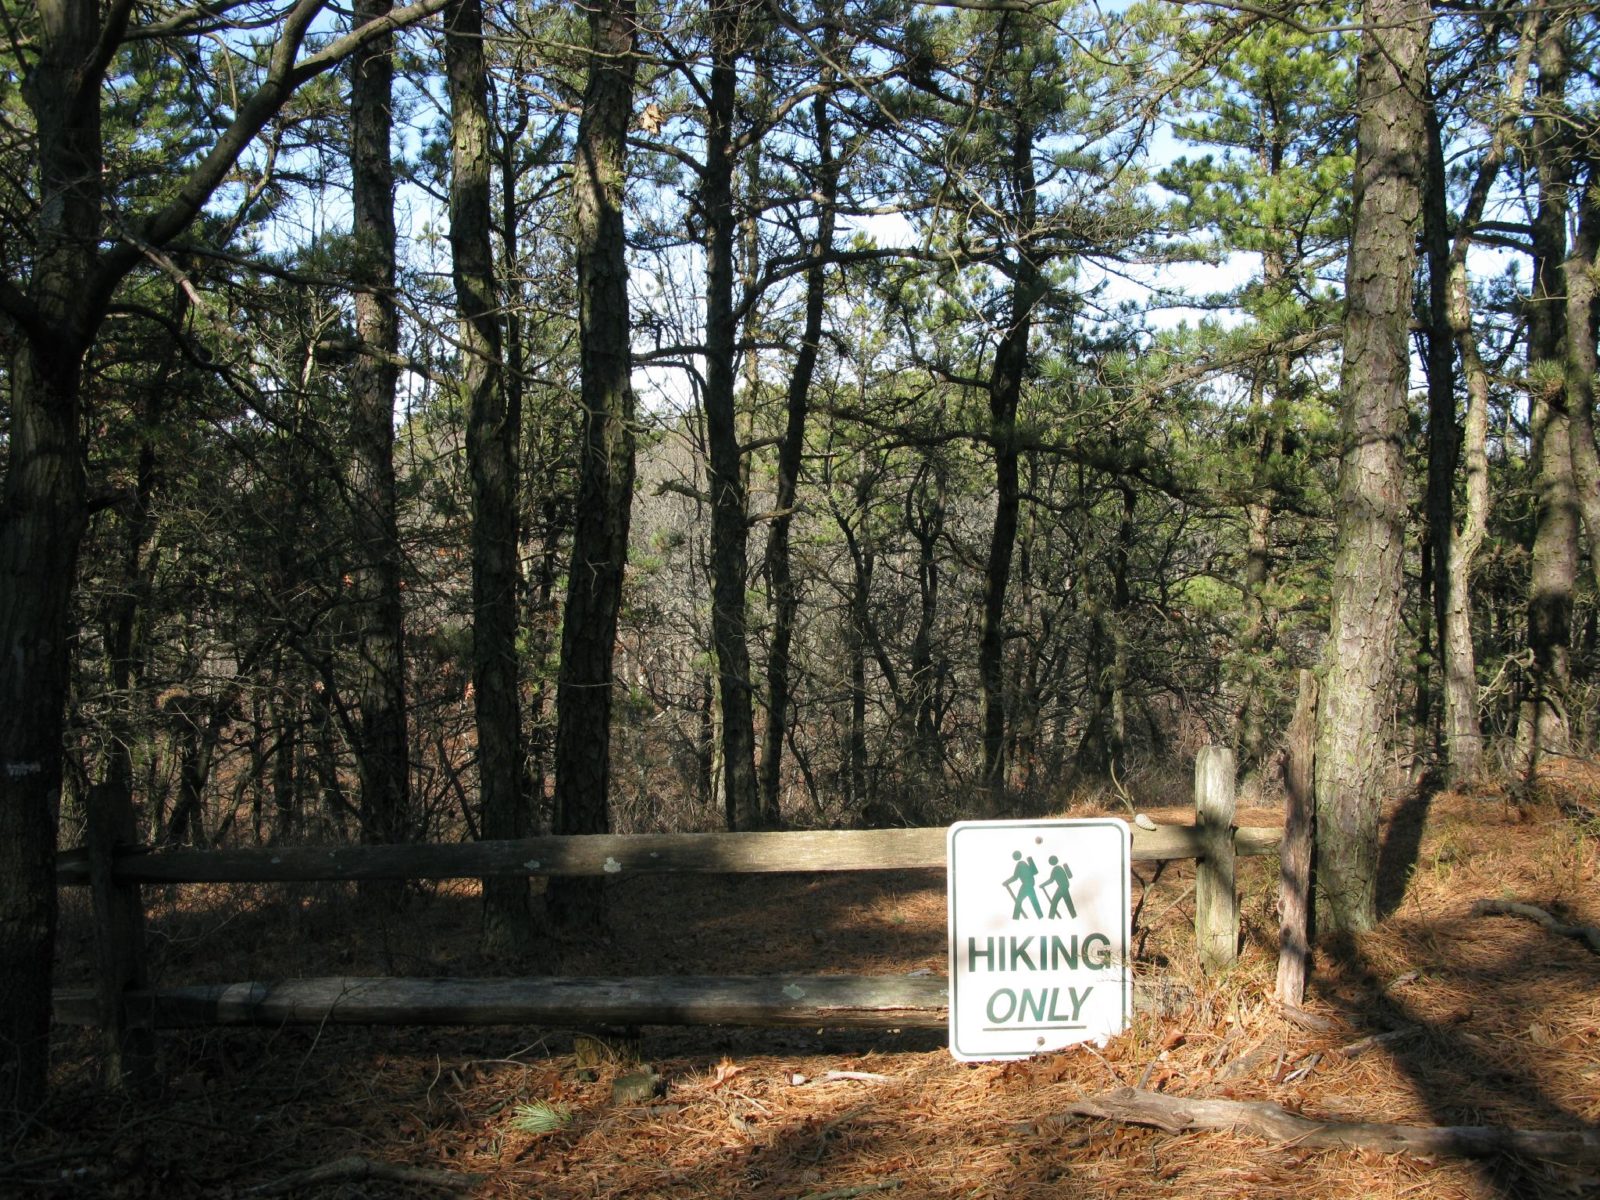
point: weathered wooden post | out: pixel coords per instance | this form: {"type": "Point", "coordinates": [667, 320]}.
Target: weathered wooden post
{"type": "Point", "coordinates": [1216, 901]}
{"type": "Point", "coordinates": [1294, 878]}
{"type": "Point", "coordinates": [129, 1047]}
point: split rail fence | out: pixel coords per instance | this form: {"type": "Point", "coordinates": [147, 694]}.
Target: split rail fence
{"type": "Point", "coordinates": [126, 1009]}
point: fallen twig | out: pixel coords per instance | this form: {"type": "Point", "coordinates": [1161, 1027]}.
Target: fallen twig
{"type": "Point", "coordinates": [1589, 934]}
{"type": "Point", "coordinates": [1305, 1067]}
{"type": "Point", "coordinates": [1175, 1114]}
{"type": "Point", "coordinates": [1358, 1048]}
{"type": "Point", "coordinates": [1305, 1020]}
{"type": "Point", "coordinates": [858, 1076]}
{"type": "Point", "coordinates": [354, 1168]}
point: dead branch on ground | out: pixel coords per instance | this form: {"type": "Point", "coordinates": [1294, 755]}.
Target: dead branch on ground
{"type": "Point", "coordinates": [1176, 1114]}
{"type": "Point", "coordinates": [1589, 934]}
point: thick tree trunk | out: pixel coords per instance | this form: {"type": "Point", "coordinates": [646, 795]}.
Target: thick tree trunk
{"type": "Point", "coordinates": [382, 745]}
{"type": "Point", "coordinates": [493, 435]}
{"type": "Point", "coordinates": [1543, 724]}
{"type": "Point", "coordinates": [1361, 663]}
{"type": "Point", "coordinates": [1582, 271]}
{"type": "Point", "coordinates": [42, 523]}
{"type": "Point", "coordinates": [785, 595]}
{"type": "Point", "coordinates": [729, 521]}
{"type": "Point", "coordinates": [605, 488]}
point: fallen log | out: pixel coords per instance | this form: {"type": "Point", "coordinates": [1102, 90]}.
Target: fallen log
{"type": "Point", "coordinates": [1177, 1114]}
{"type": "Point", "coordinates": [1589, 934]}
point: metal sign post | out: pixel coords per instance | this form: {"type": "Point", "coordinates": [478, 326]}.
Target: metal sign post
{"type": "Point", "coordinates": [1039, 942]}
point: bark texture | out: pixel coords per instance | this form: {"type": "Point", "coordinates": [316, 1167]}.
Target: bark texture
{"type": "Point", "coordinates": [1582, 274]}
{"type": "Point", "coordinates": [1462, 735]}
{"type": "Point", "coordinates": [729, 520]}
{"type": "Point", "coordinates": [41, 526]}
{"type": "Point", "coordinates": [382, 744]}
{"type": "Point", "coordinates": [600, 537]}
{"type": "Point", "coordinates": [780, 577]}
{"type": "Point", "coordinates": [1444, 434]}
{"type": "Point", "coordinates": [1361, 659]}
{"type": "Point", "coordinates": [1555, 540]}
{"type": "Point", "coordinates": [493, 433]}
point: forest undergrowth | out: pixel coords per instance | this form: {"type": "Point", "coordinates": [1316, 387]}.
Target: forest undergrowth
{"type": "Point", "coordinates": [1493, 1020]}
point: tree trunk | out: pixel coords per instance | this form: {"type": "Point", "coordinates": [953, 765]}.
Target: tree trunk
{"type": "Point", "coordinates": [42, 523]}
{"type": "Point", "coordinates": [1582, 270]}
{"type": "Point", "coordinates": [1361, 662]}
{"type": "Point", "coordinates": [284, 715]}
{"type": "Point", "coordinates": [44, 520]}
{"type": "Point", "coordinates": [1005, 393]}
{"type": "Point", "coordinates": [858, 635]}
{"type": "Point", "coordinates": [1444, 436]}
{"type": "Point", "coordinates": [1250, 717]}
{"type": "Point", "coordinates": [925, 512]}
{"type": "Point", "coordinates": [605, 488]}
{"type": "Point", "coordinates": [1462, 734]}
{"type": "Point", "coordinates": [729, 521]}
{"type": "Point", "coordinates": [493, 436]}
{"type": "Point", "coordinates": [1121, 602]}
{"type": "Point", "coordinates": [382, 745]}
{"type": "Point", "coordinates": [125, 649]}
{"type": "Point", "coordinates": [785, 596]}
{"type": "Point", "coordinates": [200, 722]}
{"type": "Point", "coordinates": [1543, 725]}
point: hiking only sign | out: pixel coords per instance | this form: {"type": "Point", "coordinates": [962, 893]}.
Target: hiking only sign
{"type": "Point", "coordinates": [1039, 948]}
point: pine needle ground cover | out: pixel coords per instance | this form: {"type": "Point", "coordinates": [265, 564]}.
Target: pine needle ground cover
{"type": "Point", "coordinates": [1444, 1016]}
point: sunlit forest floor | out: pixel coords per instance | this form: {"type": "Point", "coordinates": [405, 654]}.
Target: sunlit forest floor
{"type": "Point", "coordinates": [1500, 1022]}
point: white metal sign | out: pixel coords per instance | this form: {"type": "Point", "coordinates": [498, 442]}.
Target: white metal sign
{"type": "Point", "coordinates": [1039, 947]}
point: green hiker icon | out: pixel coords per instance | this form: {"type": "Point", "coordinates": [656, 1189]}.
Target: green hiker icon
{"type": "Point", "coordinates": [1027, 871]}
{"type": "Point", "coordinates": [1061, 880]}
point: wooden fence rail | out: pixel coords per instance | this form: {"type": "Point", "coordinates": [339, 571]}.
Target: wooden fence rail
{"type": "Point", "coordinates": [834, 1001]}
{"type": "Point", "coordinates": [126, 1010]}
{"type": "Point", "coordinates": [598, 854]}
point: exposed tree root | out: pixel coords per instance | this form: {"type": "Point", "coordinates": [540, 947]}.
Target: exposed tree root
{"type": "Point", "coordinates": [1176, 1114]}
{"type": "Point", "coordinates": [1589, 934]}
